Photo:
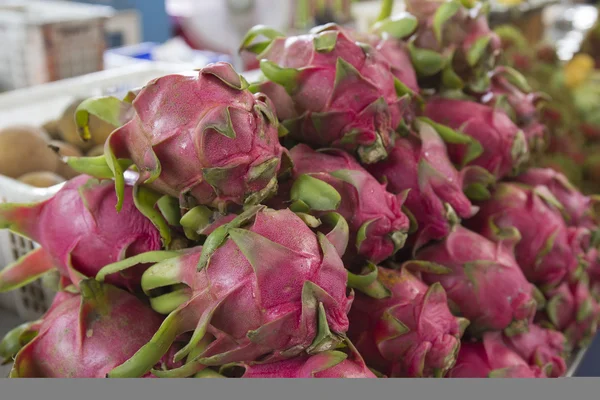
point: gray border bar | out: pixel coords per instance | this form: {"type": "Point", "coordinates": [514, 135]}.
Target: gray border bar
{"type": "Point", "coordinates": [304, 389]}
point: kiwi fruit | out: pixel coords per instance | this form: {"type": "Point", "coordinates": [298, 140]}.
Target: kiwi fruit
{"type": "Point", "coordinates": [41, 179]}
{"type": "Point", "coordinates": [65, 150]}
{"type": "Point", "coordinates": [23, 150]}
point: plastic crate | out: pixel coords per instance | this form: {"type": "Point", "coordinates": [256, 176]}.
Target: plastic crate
{"type": "Point", "coordinates": [44, 41]}
{"type": "Point", "coordinates": [35, 106]}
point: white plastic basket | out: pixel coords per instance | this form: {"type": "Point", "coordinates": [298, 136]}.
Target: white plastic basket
{"type": "Point", "coordinates": [43, 41]}
{"type": "Point", "coordinates": [37, 105]}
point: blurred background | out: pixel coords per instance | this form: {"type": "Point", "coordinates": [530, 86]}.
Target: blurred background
{"type": "Point", "coordinates": [53, 53]}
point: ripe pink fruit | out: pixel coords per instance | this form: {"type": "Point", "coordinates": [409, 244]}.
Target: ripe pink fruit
{"type": "Point", "coordinates": [502, 146]}
{"type": "Point", "coordinates": [204, 139]}
{"type": "Point", "coordinates": [406, 329]}
{"type": "Point", "coordinates": [544, 249]}
{"type": "Point", "coordinates": [80, 232]}
{"type": "Point", "coordinates": [482, 280]}
{"type": "Point", "coordinates": [436, 198]}
{"type": "Point", "coordinates": [338, 92]}
{"type": "Point", "coordinates": [578, 208]}
{"type": "Point", "coordinates": [453, 47]}
{"type": "Point", "coordinates": [541, 348]}
{"type": "Point", "coordinates": [328, 364]}
{"type": "Point", "coordinates": [86, 336]}
{"type": "Point", "coordinates": [264, 285]}
{"type": "Point", "coordinates": [572, 310]}
{"type": "Point", "coordinates": [332, 180]}
{"type": "Point", "coordinates": [490, 358]}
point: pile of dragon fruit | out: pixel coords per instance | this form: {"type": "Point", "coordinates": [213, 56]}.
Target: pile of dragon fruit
{"type": "Point", "coordinates": [368, 208]}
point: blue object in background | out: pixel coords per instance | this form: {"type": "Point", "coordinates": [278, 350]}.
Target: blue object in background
{"type": "Point", "coordinates": [156, 25]}
{"type": "Point", "coordinates": [590, 365]}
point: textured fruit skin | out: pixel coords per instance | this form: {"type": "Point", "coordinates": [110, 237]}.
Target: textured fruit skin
{"type": "Point", "coordinates": [484, 281]}
{"type": "Point", "coordinates": [544, 251]}
{"type": "Point", "coordinates": [80, 230]}
{"type": "Point", "coordinates": [577, 206]}
{"type": "Point", "coordinates": [274, 275]}
{"type": "Point", "coordinates": [521, 107]}
{"type": "Point", "coordinates": [363, 200]}
{"type": "Point", "coordinates": [541, 347]}
{"type": "Point", "coordinates": [86, 336]}
{"type": "Point", "coordinates": [490, 358]}
{"type": "Point", "coordinates": [329, 364]}
{"type": "Point", "coordinates": [571, 309]}
{"type": "Point", "coordinates": [503, 143]}
{"type": "Point", "coordinates": [420, 163]}
{"type": "Point", "coordinates": [410, 333]}
{"type": "Point", "coordinates": [203, 138]}
{"type": "Point", "coordinates": [338, 92]}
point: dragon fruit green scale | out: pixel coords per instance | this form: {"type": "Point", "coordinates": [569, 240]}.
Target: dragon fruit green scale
{"type": "Point", "coordinates": [204, 139]}
{"type": "Point", "coordinates": [331, 90]}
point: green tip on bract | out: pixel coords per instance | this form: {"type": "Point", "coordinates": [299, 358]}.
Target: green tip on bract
{"type": "Point", "coordinates": [339, 234]}
{"type": "Point", "coordinates": [144, 258]}
{"type": "Point", "coordinates": [109, 109]}
{"type": "Point", "coordinates": [367, 282]}
{"type": "Point", "coordinates": [16, 339]}
{"type": "Point", "coordinates": [196, 220]}
{"type": "Point", "coordinates": [399, 26]}
{"type": "Point", "coordinates": [477, 51]}
{"type": "Point", "coordinates": [386, 9]}
{"type": "Point", "coordinates": [426, 62]}
{"type": "Point", "coordinates": [427, 267]}
{"type": "Point", "coordinates": [286, 77]}
{"type": "Point", "coordinates": [169, 302]}
{"type": "Point", "coordinates": [256, 31]}
{"type": "Point", "coordinates": [145, 200]}
{"type": "Point", "coordinates": [442, 15]}
{"type": "Point", "coordinates": [325, 42]}
{"type": "Point", "coordinates": [315, 193]}
{"type": "Point", "coordinates": [95, 166]}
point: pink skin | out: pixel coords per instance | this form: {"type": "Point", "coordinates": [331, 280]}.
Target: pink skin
{"type": "Point", "coordinates": [342, 114]}
{"type": "Point", "coordinates": [430, 345]}
{"type": "Point", "coordinates": [422, 165]}
{"type": "Point", "coordinates": [491, 358]}
{"type": "Point", "coordinates": [363, 199]}
{"type": "Point", "coordinates": [317, 366]}
{"type": "Point", "coordinates": [523, 104]}
{"type": "Point", "coordinates": [492, 128]}
{"type": "Point", "coordinates": [576, 205]}
{"type": "Point", "coordinates": [239, 279]}
{"type": "Point", "coordinates": [79, 226]}
{"type": "Point", "coordinates": [168, 128]}
{"type": "Point", "coordinates": [541, 347]}
{"type": "Point", "coordinates": [543, 262]}
{"type": "Point", "coordinates": [484, 282]}
{"type": "Point", "coordinates": [573, 310]}
{"type": "Point", "coordinates": [87, 337]}
{"type": "Point", "coordinates": [593, 270]}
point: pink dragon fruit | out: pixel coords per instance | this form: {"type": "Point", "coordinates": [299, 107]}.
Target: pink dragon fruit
{"type": "Point", "coordinates": [491, 358]}
{"type": "Point", "coordinates": [338, 92]}
{"type": "Point", "coordinates": [541, 348]}
{"type": "Point", "coordinates": [545, 250]}
{"type": "Point", "coordinates": [593, 270]}
{"type": "Point", "coordinates": [80, 232]}
{"type": "Point", "coordinates": [420, 163]}
{"type": "Point", "coordinates": [578, 208]}
{"type": "Point", "coordinates": [489, 138]}
{"type": "Point", "coordinates": [328, 364]}
{"type": "Point", "coordinates": [453, 47]}
{"type": "Point", "coordinates": [331, 180]}
{"type": "Point", "coordinates": [227, 137]}
{"type": "Point", "coordinates": [406, 329]}
{"type": "Point", "coordinates": [572, 310]}
{"type": "Point", "coordinates": [509, 91]}
{"type": "Point", "coordinates": [86, 336]}
{"type": "Point", "coordinates": [482, 280]}
{"type": "Point", "coordinates": [234, 295]}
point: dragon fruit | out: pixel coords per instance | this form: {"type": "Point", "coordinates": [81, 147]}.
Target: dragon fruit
{"type": "Point", "coordinates": [491, 358]}
{"type": "Point", "coordinates": [227, 136]}
{"type": "Point", "coordinates": [572, 310]}
{"type": "Point", "coordinates": [544, 247]}
{"type": "Point", "coordinates": [328, 364]}
{"type": "Point", "coordinates": [406, 328]}
{"type": "Point", "coordinates": [453, 47]}
{"type": "Point", "coordinates": [330, 90]}
{"type": "Point", "coordinates": [541, 347]}
{"type": "Point", "coordinates": [80, 232]}
{"type": "Point", "coordinates": [489, 138]}
{"type": "Point", "coordinates": [300, 309]}
{"type": "Point", "coordinates": [578, 208]}
{"type": "Point", "coordinates": [509, 91]}
{"type": "Point", "coordinates": [76, 338]}
{"type": "Point", "coordinates": [482, 280]}
{"type": "Point", "coordinates": [331, 180]}
{"type": "Point", "coordinates": [436, 199]}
